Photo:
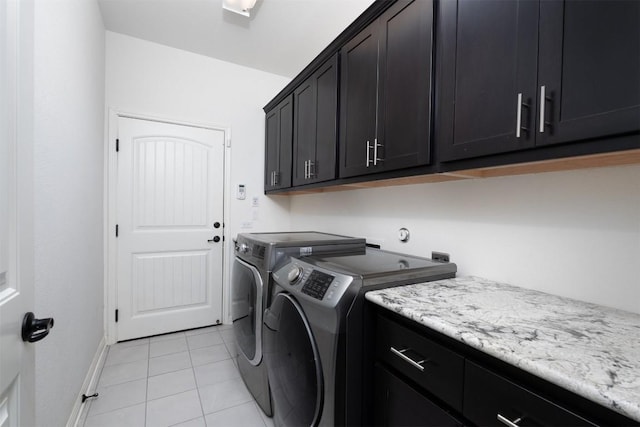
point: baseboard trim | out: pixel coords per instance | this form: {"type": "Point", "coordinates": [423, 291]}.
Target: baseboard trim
{"type": "Point", "coordinates": [89, 384]}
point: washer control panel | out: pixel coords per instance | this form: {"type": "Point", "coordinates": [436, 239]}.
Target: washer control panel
{"type": "Point", "coordinates": [324, 286]}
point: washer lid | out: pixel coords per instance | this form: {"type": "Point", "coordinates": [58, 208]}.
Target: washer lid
{"type": "Point", "coordinates": [301, 238]}
{"type": "Point", "coordinates": [376, 265]}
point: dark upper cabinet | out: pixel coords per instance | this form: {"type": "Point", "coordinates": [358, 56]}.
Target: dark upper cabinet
{"type": "Point", "coordinates": [358, 99]}
{"type": "Point", "coordinates": [385, 86]}
{"type": "Point", "coordinates": [315, 126]}
{"type": "Point", "coordinates": [518, 74]}
{"type": "Point", "coordinates": [589, 67]}
{"type": "Point", "coordinates": [278, 145]}
{"type": "Point", "coordinates": [488, 66]}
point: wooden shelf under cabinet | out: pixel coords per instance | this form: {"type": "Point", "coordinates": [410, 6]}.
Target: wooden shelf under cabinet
{"type": "Point", "coordinates": [618, 158]}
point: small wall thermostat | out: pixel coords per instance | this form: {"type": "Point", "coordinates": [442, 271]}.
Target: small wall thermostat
{"type": "Point", "coordinates": [241, 192]}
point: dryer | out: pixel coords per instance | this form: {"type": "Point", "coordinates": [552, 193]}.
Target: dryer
{"type": "Point", "coordinates": [314, 328]}
{"type": "Point", "coordinates": [256, 255]}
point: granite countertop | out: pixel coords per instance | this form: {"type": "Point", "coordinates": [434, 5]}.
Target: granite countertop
{"type": "Point", "coordinates": [591, 350]}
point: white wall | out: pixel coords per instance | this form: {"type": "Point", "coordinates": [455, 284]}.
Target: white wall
{"type": "Point", "coordinates": [574, 233]}
{"type": "Point", "coordinates": [68, 181]}
{"type": "Point", "coordinates": [151, 79]}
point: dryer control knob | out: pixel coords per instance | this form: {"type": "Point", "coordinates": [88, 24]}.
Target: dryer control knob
{"type": "Point", "coordinates": [244, 248]}
{"type": "Point", "coordinates": [294, 274]}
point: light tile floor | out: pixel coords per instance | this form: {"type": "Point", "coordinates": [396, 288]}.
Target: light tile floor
{"type": "Point", "coordinates": [182, 379]}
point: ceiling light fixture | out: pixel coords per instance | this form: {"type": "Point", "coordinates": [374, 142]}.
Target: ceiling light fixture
{"type": "Point", "coordinates": [241, 7]}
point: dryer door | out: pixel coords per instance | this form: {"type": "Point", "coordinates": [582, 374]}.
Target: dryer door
{"type": "Point", "coordinates": [293, 364]}
{"type": "Point", "coordinates": [246, 309]}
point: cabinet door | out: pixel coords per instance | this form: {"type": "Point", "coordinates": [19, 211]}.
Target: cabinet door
{"type": "Point", "coordinates": [315, 126]}
{"type": "Point", "coordinates": [324, 166]}
{"type": "Point", "coordinates": [304, 129]}
{"type": "Point", "coordinates": [404, 106]}
{"type": "Point", "coordinates": [272, 148]}
{"type": "Point", "coordinates": [399, 404]}
{"type": "Point", "coordinates": [589, 67]}
{"type": "Point", "coordinates": [358, 97]}
{"type": "Point", "coordinates": [489, 58]}
{"type": "Point", "coordinates": [278, 141]}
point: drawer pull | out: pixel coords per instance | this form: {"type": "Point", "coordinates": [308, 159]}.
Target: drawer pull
{"type": "Point", "coordinates": [400, 353]}
{"type": "Point", "coordinates": [509, 423]}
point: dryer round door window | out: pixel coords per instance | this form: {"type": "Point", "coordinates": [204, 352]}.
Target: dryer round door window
{"type": "Point", "coordinates": [293, 363]}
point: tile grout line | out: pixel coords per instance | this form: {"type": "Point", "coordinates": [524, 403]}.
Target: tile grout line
{"type": "Point", "coordinates": [186, 421]}
{"type": "Point", "coordinates": [129, 405]}
{"type": "Point", "coordinates": [235, 406]}
{"type": "Point", "coordinates": [195, 379]}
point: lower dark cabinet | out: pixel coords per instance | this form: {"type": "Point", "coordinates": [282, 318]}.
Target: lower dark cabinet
{"type": "Point", "coordinates": [490, 399]}
{"type": "Point", "coordinates": [491, 393]}
{"type": "Point", "coordinates": [431, 366]}
{"type": "Point", "coordinates": [399, 404]}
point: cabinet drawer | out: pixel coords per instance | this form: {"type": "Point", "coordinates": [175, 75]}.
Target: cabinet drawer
{"type": "Point", "coordinates": [490, 399]}
{"type": "Point", "coordinates": [399, 404]}
{"type": "Point", "coordinates": [432, 366]}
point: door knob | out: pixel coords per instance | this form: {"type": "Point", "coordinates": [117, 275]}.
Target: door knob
{"type": "Point", "coordinates": [215, 239]}
{"type": "Point", "coordinates": [35, 329]}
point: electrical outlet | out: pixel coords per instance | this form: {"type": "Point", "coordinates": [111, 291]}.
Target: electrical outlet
{"type": "Point", "coordinates": [440, 256]}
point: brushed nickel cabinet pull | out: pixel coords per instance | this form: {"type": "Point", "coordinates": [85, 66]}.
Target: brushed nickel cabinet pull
{"type": "Point", "coordinates": [508, 422]}
{"type": "Point", "coordinates": [543, 103]}
{"type": "Point", "coordinates": [312, 169]}
{"type": "Point", "coordinates": [519, 127]}
{"type": "Point", "coordinates": [400, 354]}
{"type": "Point", "coordinates": [376, 159]}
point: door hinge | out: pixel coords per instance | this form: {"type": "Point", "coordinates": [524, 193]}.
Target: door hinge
{"type": "Point", "coordinates": [117, 145]}
{"type": "Point", "coordinates": [116, 315]}
{"type": "Point", "coordinates": [116, 230]}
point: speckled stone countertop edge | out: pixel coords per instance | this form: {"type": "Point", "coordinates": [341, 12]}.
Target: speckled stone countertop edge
{"type": "Point", "coordinates": [610, 398]}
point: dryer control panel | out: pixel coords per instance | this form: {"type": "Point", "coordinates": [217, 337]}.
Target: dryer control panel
{"type": "Point", "coordinates": [317, 284]}
{"type": "Point", "coordinates": [324, 286]}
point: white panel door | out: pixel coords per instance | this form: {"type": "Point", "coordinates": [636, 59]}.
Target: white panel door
{"type": "Point", "coordinates": [170, 194]}
{"type": "Point", "coordinates": [12, 292]}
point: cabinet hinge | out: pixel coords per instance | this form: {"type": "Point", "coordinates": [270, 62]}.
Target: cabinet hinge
{"type": "Point", "coordinates": [116, 230]}
{"type": "Point", "coordinates": [116, 315]}
{"type": "Point", "coordinates": [117, 145]}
